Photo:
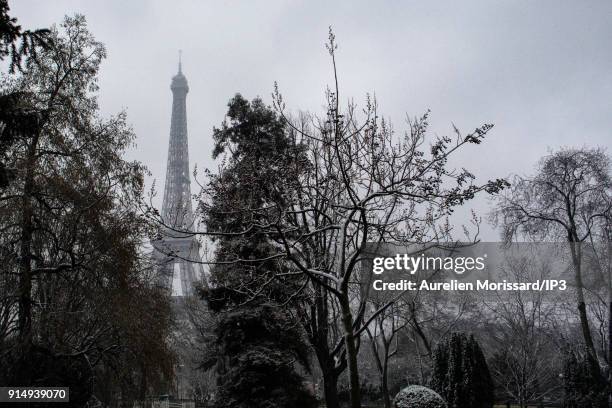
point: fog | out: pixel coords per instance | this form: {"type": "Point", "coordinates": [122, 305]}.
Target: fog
{"type": "Point", "coordinates": [540, 71]}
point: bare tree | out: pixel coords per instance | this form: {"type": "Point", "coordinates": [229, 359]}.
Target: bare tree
{"type": "Point", "coordinates": [567, 198]}
{"type": "Point", "coordinates": [363, 184]}
{"type": "Point", "coordinates": [522, 322]}
{"type": "Point", "coordinates": [598, 259]}
{"type": "Point", "coordinates": [383, 336]}
{"type": "Point", "coordinates": [352, 182]}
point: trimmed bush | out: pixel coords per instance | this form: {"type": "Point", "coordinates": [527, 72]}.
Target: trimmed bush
{"type": "Point", "coordinates": [416, 396]}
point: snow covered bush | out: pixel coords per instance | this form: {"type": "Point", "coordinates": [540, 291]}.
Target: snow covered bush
{"type": "Point", "coordinates": [416, 396]}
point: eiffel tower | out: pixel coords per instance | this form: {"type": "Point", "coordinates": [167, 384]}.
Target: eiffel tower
{"type": "Point", "coordinates": [178, 251]}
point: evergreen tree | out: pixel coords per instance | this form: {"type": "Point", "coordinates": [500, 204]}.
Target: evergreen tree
{"type": "Point", "coordinates": [257, 339]}
{"type": "Point", "coordinates": [460, 373]}
{"type": "Point", "coordinates": [18, 118]}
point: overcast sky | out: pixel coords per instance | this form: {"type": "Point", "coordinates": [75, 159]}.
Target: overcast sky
{"type": "Point", "coordinates": [541, 71]}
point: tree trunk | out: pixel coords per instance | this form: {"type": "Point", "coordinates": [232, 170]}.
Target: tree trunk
{"type": "Point", "coordinates": [142, 393]}
{"type": "Point", "coordinates": [25, 262]}
{"type": "Point", "coordinates": [381, 366]}
{"type": "Point", "coordinates": [330, 388]}
{"type": "Point", "coordinates": [582, 313]}
{"type": "Point", "coordinates": [351, 352]}
{"type": "Point", "coordinates": [318, 328]}
{"type": "Point", "coordinates": [25, 276]}
{"type": "Point", "coordinates": [385, 381]}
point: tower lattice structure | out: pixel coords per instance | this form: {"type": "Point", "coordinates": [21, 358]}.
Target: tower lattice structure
{"type": "Point", "coordinates": [177, 252]}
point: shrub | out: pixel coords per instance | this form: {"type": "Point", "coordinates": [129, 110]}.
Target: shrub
{"type": "Point", "coordinates": [416, 396]}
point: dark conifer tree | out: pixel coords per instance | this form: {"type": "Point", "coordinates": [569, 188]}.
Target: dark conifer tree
{"type": "Point", "coordinates": [460, 373]}
{"type": "Point", "coordinates": [258, 340]}
{"type": "Point", "coordinates": [18, 118]}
